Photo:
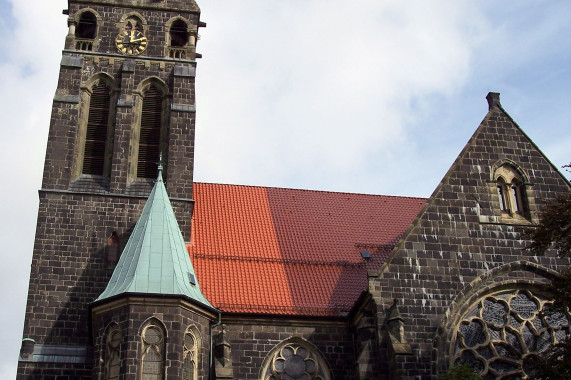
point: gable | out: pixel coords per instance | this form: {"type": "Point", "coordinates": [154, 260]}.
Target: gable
{"type": "Point", "coordinates": [462, 236]}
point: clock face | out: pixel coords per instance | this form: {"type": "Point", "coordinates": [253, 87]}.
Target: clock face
{"type": "Point", "coordinates": [131, 42]}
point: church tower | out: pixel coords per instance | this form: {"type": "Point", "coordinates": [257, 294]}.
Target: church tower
{"type": "Point", "coordinates": [125, 97]}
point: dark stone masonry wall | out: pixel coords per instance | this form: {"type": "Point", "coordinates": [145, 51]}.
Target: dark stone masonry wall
{"type": "Point", "coordinates": [174, 315]}
{"type": "Point", "coordinates": [253, 339]}
{"type": "Point", "coordinates": [68, 266]}
{"type": "Point", "coordinates": [461, 246]}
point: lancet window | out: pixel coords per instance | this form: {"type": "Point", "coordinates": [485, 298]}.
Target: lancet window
{"type": "Point", "coordinates": [153, 351]}
{"type": "Point", "coordinates": [511, 192]}
{"type": "Point", "coordinates": [85, 31]}
{"type": "Point", "coordinates": [191, 351]}
{"type": "Point", "coordinates": [96, 155]}
{"type": "Point", "coordinates": [150, 133]}
{"type": "Point", "coordinates": [112, 355]}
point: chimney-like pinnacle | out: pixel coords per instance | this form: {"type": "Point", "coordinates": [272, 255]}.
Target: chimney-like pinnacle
{"type": "Point", "coordinates": [493, 99]}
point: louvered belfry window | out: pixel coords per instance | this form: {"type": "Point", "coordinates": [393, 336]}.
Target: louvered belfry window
{"type": "Point", "coordinates": [97, 128]}
{"type": "Point", "coordinates": [150, 137]}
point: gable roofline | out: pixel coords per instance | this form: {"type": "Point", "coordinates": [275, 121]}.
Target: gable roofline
{"type": "Point", "coordinates": [494, 104]}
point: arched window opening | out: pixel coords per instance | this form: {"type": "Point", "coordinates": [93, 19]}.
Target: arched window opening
{"type": "Point", "coordinates": [295, 358]}
{"type": "Point", "coordinates": [519, 198]}
{"type": "Point", "coordinates": [503, 334]}
{"type": "Point", "coordinates": [152, 357]}
{"type": "Point", "coordinates": [511, 192]}
{"type": "Point", "coordinates": [96, 139]}
{"type": "Point", "coordinates": [87, 26]}
{"type": "Point", "coordinates": [150, 133]}
{"type": "Point", "coordinates": [86, 31]}
{"type": "Point", "coordinates": [179, 34]}
{"type": "Point", "coordinates": [113, 250]}
{"type": "Point", "coordinates": [112, 359]}
{"type": "Point", "coordinates": [501, 194]}
{"type": "Point", "coordinates": [190, 364]}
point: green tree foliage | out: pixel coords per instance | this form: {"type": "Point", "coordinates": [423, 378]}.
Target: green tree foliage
{"type": "Point", "coordinates": [554, 231]}
{"type": "Point", "coordinates": [456, 372]}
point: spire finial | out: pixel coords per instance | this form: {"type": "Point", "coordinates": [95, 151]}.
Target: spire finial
{"type": "Point", "coordinates": [160, 167]}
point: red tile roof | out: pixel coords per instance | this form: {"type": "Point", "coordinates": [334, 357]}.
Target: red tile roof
{"type": "Point", "coordinates": [295, 252]}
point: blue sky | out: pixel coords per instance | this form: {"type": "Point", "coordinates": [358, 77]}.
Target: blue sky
{"type": "Point", "coordinates": [370, 96]}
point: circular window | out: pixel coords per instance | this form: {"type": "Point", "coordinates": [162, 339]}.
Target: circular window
{"type": "Point", "coordinates": [503, 334]}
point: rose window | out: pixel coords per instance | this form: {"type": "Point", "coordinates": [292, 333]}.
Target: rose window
{"type": "Point", "coordinates": [504, 333]}
{"type": "Point", "coordinates": [295, 361]}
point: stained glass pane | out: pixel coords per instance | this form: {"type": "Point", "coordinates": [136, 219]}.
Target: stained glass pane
{"type": "Point", "coordinates": [494, 313]}
{"type": "Point", "coordinates": [513, 341]}
{"type": "Point", "coordinates": [504, 366]}
{"type": "Point", "coordinates": [524, 306]}
{"type": "Point", "coordinates": [473, 333]}
{"type": "Point", "coordinates": [486, 353]}
{"type": "Point", "coordinates": [153, 335]}
{"type": "Point", "coordinates": [529, 338]}
{"type": "Point", "coordinates": [513, 322]}
{"type": "Point", "coordinates": [287, 352]}
{"type": "Point", "coordinates": [188, 369]}
{"type": "Point", "coordinates": [560, 335]}
{"type": "Point", "coordinates": [505, 351]}
{"type": "Point", "coordinates": [518, 330]}
{"type": "Point", "coordinates": [556, 319]}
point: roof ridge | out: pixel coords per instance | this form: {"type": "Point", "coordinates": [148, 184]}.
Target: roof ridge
{"type": "Point", "coordinates": [311, 190]}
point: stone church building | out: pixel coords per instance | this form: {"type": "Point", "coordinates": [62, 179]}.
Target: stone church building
{"type": "Point", "coordinates": [139, 273]}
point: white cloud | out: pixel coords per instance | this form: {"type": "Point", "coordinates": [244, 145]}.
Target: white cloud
{"type": "Point", "coordinates": [29, 66]}
{"type": "Point", "coordinates": [322, 90]}
{"type": "Point", "coordinates": [368, 96]}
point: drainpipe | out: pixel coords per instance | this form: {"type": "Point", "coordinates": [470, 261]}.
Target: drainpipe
{"type": "Point", "coordinates": [212, 327]}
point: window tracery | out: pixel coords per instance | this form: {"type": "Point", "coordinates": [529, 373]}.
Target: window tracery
{"type": "Point", "coordinates": [511, 192]}
{"type": "Point", "coordinates": [190, 352]}
{"type": "Point", "coordinates": [181, 38]}
{"type": "Point", "coordinates": [153, 351]}
{"type": "Point", "coordinates": [112, 358]}
{"type": "Point", "coordinates": [504, 333]}
{"type": "Point", "coordinates": [295, 359]}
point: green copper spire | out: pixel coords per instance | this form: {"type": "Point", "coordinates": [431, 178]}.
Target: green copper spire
{"type": "Point", "coordinates": [155, 259]}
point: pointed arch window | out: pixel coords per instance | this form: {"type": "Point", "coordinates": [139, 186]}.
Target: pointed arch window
{"type": "Point", "coordinates": [511, 192]}
{"type": "Point", "coordinates": [191, 351]}
{"type": "Point", "coordinates": [181, 40]}
{"type": "Point", "coordinates": [97, 141]}
{"type": "Point", "coordinates": [150, 133]}
{"type": "Point", "coordinates": [178, 34]}
{"type": "Point", "coordinates": [112, 355]}
{"type": "Point", "coordinates": [153, 352]}
{"type": "Point", "coordinates": [501, 186]}
{"type": "Point", "coordinates": [86, 31]}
